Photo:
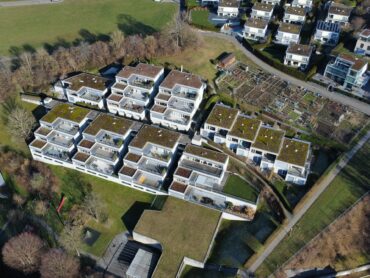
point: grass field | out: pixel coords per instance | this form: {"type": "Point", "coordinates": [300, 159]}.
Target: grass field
{"type": "Point", "coordinates": [238, 187]}
{"type": "Point", "coordinates": [33, 26]}
{"type": "Point", "coordinates": [200, 20]}
{"type": "Point", "coordinates": [345, 189]}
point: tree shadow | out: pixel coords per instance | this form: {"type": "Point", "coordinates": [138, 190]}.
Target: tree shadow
{"type": "Point", "coordinates": [50, 48]}
{"type": "Point", "coordinates": [133, 214]}
{"type": "Point", "coordinates": [130, 26]}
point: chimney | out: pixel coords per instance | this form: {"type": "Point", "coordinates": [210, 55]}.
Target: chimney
{"type": "Point", "coordinates": [182, 68]}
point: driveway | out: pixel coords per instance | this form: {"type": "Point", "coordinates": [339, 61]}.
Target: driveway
{"type": "Point", "coordinates": [352, 102]}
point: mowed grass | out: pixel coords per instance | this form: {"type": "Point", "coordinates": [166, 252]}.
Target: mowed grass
{"type": "Point", "coordinates": [58, 23]}
{"type": "Point", "coordinates": [345, 190]}
{"type": "Point", "coordinates": [238, 187]}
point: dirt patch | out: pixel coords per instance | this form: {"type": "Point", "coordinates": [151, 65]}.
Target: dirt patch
{"type": "Point", "coordinates": [344, 245]}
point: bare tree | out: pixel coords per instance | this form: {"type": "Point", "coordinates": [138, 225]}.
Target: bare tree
{"type": "Point", "coordinates": [95, 207]}
{"type": "Point", "coordinates": [20, 122]}
{"type": "Point", "coordinates": [71, 238]}
{"type": "Point", "coordinates": [57, 264]}
{"type": "Point", "coordinates": [117, 44]}
{"type": "Point", "coordinates": [23, 252]}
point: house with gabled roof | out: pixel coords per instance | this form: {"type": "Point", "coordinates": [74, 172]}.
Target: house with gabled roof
{"type": "Point", "coordinates": [262, 11]}
{"type": "Point", "coordinates": [177, 101]}
{"type": "Point", "coordinates": [271, 2]}
{"type": "Point", "coordinates": [219, 122]}
{"type": "Point", "coordinates": [288, 33]}
{"type": "Point", "coordinates": [293, 161]}
{"type": "Point", "coordinates": [84, 88]}
{"type": "Point", "coordinates": [134, 90]}
{"type": "Point", "coordinates": [338, 13]}
{"type": "Point", "coordinates": [200, 178]}
{"type": "Point", "coordinates": [101, 149]}
{"type": "Point", "coordinates": [298, 55]}
{"type": "Point", "coordinates": [150, 155]}
{"type": "Point", "coordinates": [294, 15]}
{"type": "Point", "coordinates": [363, 43]}
{"type": "Point", "coordinates": [228, 8]}
{"type": "Point", "coordinates": [327, 33]}
{"type": "Point", "coordinates": [255, 29]}
{"type": "Point", "coordinates": [59, 132]}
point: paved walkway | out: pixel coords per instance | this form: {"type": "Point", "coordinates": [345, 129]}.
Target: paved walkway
{"type": "Point", "coordinates": [352, 102]}
{"type": "Point", "coordinates": [319, 188]}
{"type": "Point", "coordinates": [28, 3]}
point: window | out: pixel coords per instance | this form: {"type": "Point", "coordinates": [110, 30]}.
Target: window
{"type": "Point", "coordinates": [362, 45]}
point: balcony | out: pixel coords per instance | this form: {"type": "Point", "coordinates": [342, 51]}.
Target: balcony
{"type": "Point", "coordinates": [157, 153]}
{"type": "Point", "coordinates": [66, 127]}
{"type": "Point", "coordinates": [110, 140]}
{"type": "Point", "coordinates": [60, 140]}
{"type": "Point", "coordinates": [185, 93]}
{"type": "Point", "coordinates": [105, 153]}
{"type": "Point", "coordinates": [150, 166]}
{"type": "Point", "coordinates": [132, 106]}
{"type": "Point", "coordinates": [201, 168]}
{"type": "Point", "coordinates": [181, 105]}
{"type": "Point", "coordinates": [100, 166]}
{"type": "Point", "coordinates": [56, 153]}
{"type": "Point", "coordinates": [205, 182]}
{"type": "Point", "coordinates": [141, 178]}
{"type": "Point", "coordinates": [175, 117]}
{"type": "Point", "coordinates": [142, 83]}
{"type": "Point", "coordinates": [90, 96]}
{"type": "Point", "coordinates": [135, 94]}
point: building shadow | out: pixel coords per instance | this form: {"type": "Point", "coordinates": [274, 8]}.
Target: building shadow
{"type": "Point", "coordinates": [130, 26]}
{"type": "Point", "coordinates": [133, 214]}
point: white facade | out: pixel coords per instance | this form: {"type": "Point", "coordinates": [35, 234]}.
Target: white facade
{"type": "Point", "coordinates": [363, 43]}
{"type": "Point", "coordinates": [306, 4]}
{"type": "Point", "coordinates": [255, 29]}
{"type": "Point", "coordinates": [327, 33]}
{"type": "Point", "coordinates": [294, 15]}
{"type": "Point", "coordinates": [179, 97]}
{"type": "Point", "coordinates": [339, 14]}
{"type": "Point", "coordinates": [134, 90]}
{"type": "Point", "coordinates": [298, 56]}
{"type": "Point", "coordinates": [262, 11]}
{"type": "Point", "coordinates": [228, 11]}
{"type": "Point", "coordinates": [271, 2]}
{"type": "Point", "coordinates": [286, 37]}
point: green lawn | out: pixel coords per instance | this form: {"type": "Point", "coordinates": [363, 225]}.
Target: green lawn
{"type": "Point", "coordinates": [194, 272]}
{"type": "Point", "coordinates": [346, 189]}
{"type": "Point", "coordinates": [62, 23]}
{"type": "Point", "coordinates": [200, 20]}
{"type": "Point", "coordinates": [238, 187]}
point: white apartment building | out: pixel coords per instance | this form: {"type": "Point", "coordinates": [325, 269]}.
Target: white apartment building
{"type": "Point", "coordinates": [59, 132]}
{"type": "Point", "coordinates": [103, 144]}
{"type": "Point", "coordinates": [305, 4]}
{"type": "Point", "coordinates": [327, 33]}
{"type": "Point", "coordinates": [228, 8]}
{"type": "Point", "coordinates": [363, 43]}
{"type": "Point", "coordinates": [298, 55]}
{"type": "Point", "coordinates": [199, 179]}
{"type": "Point", "coordinates": [178, 100]}
{"type": "Point", "coordinates": [134, 90]}
{"type": "Point", "coordinates": [150, 155]}
{"type": "Point", "coordinates": [84, 88]}
{"type": "Point", "coordinates": [338, 13]}
{"type": "Point", "coordinates": [255, 29]}
{"type": "Point", "coordinates": [292, 163]}
{"type": "Point", "coordinates": [294, 15]}
{"type": "Point", "coordinates": [219, 122]}
{"type": "Point", "coordinates": [271, 2]}
{"type": "Point", "coordinates": [288, 33]}
{"type": "Point", "coordinates": [262, 11]}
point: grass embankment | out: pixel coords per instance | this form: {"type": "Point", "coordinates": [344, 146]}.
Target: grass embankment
{"type": "Point", "coordinates": [345, 190]}
{"type": "Point", "coordinates": [240, 188]}
{"type": "Point", "coordinates": [33, 26]}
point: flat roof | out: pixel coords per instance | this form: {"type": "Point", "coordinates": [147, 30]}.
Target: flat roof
{"type": "Point", "coordinates": [365, 33]}
{"type": "Point", "coordinates": [182, 78]}
{"type": "Point", "coordinates": [229, 3]}
{"type": "Point", "coordinates": [178, 186]}
{"type": "Point", "coordinates": [295, 10]}
{"type": "Point", "coordinates": [109, 123]}
{"type": "Point", "coordinates": [183, 229]}
{"type": "Point", "coordinates": [132, 157]}
{"type": "Point", "coordinates": [158, 108]}
{"type": "Point", "coordinates": [340, 9]}
{"type": "Point", "coordinates": [81, 156]}
{"type": "Point", "coordinates": [256, 23]}
{"type": "Point", "coordinates": [183, 172]}
{"type": "Point", "coordinates": [86, 143]}
{"type": "Point", "coordinates": [66, 111]}
{"type": "Point", "coordinates": [155, 135]}
{"type": "Point", "coordinates": [263, 7]}
{"type": "Point", "coordinates": [128, 171]}
{"type": "Point", "coordinates": [357, 62]}
{"type": "Point", "coordinates": [268, 139]}
{"type": "Point", "coordinates": [162, 96]}
{"type": "Point", "coordinates": [84, 79]}
{"type": "Point", "coordinates": [222, 116]}
{"type": "Point", "coordinates": [300, 49]}
{"type": "Point", "coordinates": [206, 153]}
{"type": "Point", "coordinates": [115, 97]}
{"type": "Point", "coordinates": [146, 70]}
{"type": "Point", "coordinates": [245, 128]}
{"type": "Point", "coordinates": [38, 143]}
{"type": "Point", "coordinates": [294, 152]}
{"type": "Point", "coordinates": [290, 28]}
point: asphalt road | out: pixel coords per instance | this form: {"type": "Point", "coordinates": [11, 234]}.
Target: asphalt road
{"type": "Point", "coordinates": [320, 188]}
{"type": "Point", "coordinates": [352, 102]}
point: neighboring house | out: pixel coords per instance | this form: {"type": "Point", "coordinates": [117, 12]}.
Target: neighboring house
{"type": "Point", "coordinates": [288, 33]}
{"type": "Point", "coordinates": [262, 11]}
{"type": "Point", "coordinates": [228, 8]}
{"type": "Point", "coordinates": [59, 132]}
{"type": "Point", "coordinates": [293, 161]}
{"type": "Point", "coordinates": [178, 100]}
{"type": "Point", "coordinates": [363, 43]}
{"type": "Point", "coordinates": [104, 142]}
{"type": "Point", "coordinates": [213, 3]}
{"type": "Point", "coordinates": [84, 88]}
{"type": "Point", "coordinates": [219, 122]}
{"type": "Point", "coordinates": [150, 154]}
{"type": "Point", "coordinates": [294, 15]}
{"type": "Point", "coordinates": [305, 4]}
{"type": "Point", "coordinates": [226, 61]}
{"type": "Point", "coordinates": [271, 2]}
{"type": "Point", "coordinates": [298, 55]}
{"type": "Point", "coordinates": [347, 70]}
{"type": "Point", "coordinates": [327, 33]}
{"type": "Point", "coordinates": [134, 90]}
{"type": "Point", "coordinates": [255, 29]}
{"type": "Point", "coordinates": [338, 13]}
{"type": "Point", "coordinates": [199, 178]}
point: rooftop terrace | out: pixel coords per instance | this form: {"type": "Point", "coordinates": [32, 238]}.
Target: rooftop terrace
{"type": "Point", "coordinates": [68, 112]}
{"type": "Point", "coordinates": [294, 152]}
{"type": "Point", "coordinates": [245, 128]}
{"type": "Point", "coordinates": [222, 116]}
{"type": "Point", "coordinates": [268, 139]}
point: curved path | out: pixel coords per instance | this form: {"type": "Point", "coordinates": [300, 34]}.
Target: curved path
{"type": "Point", "coordinates": [28, 3]}
{"type": "Point", "coordinates": [352, 102]}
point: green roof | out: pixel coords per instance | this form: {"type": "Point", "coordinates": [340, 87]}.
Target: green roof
{"type": "Point", "coordinates": [245, 128]}
{"type": "Point", "coordinates": [66, 111]}
{"type": "Point", "coordinates": [155, 135]}
{"type": "Point", "coordinates": [294, 152]}
{"type": "Point", "coordinates": [206, 153]}
{"type": "Point", "coordinates": [222, 116]}
{"type": "Point", "coordinates": [183, 229]}
{"type": "Point", "coordinates": [268, 139]}
{"type": "Point", "coordinates": [109, 123]}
